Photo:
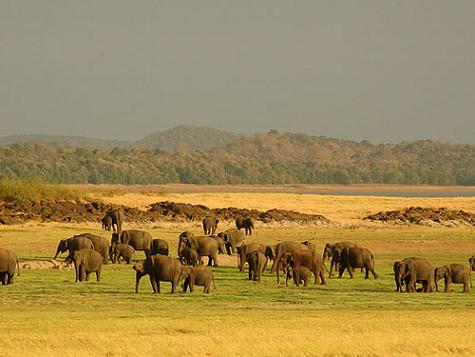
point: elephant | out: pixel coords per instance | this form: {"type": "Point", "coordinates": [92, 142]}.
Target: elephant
{"type": "Point", "coordinates": [221, 244]}
{"type": "Point", "coordinates": [246, 223]}
{"type": "Point", "coordinates": [307, 258]}
{"type": "Point", "coordinates": [270, 252]}
{"type": "Point", "coordinates": [8, 265]}
{"type": "Point", "coordinates": [357, 257]}
{"type": "Point", "coordinates": [414, 269]}
{"type": "Point", "coordinates": [200, 276]}
{"type": "Point", "coordinates": [115, 219]}
{"type": "Point", "coordinates": [189, 256]}
{"type": "Point", "coordinates": [182, 240]}
{"type": "Point", "coordinates": [121, 250]}
{"type": "Point", "coordinates": [205, 246]}
{"type": "Point", "coordinates": [399, 283]}
{"type": "Point", "coordinates": [471, 260]}
{"type": "Point", "coordinates": [453, 273]}
{"type": "Point", "coordinates": [87, 261]}
{"type": "Point", "coordinates": [333, 251]}
{"type": "Point", "coordinates": [159, 268]}
{"type": "Point", "coordinates": [106, 222]}
{"type": "Point", "coordinates": [210, 224]}
{"type": "Point", "coordinates": [140, 240]}
{"type": "Point", "coordinates": [72, 244]}
{"type": "Point", "coordinates": [101, 245]}
{"type": "Point", "coordinates": [286, 247]}
{"type": "Point", "coordinates": [257, 262]}
{"type": "Point", "coordinates": [159, 246]}
{"type": "Point", "coordinates": [232, 239]}
{"type": "Point", "coordinates": [244, 249]}
{"type": "Point", "coordinates": [302, 273]}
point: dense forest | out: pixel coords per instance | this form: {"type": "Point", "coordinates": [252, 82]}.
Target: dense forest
{"type": "Point", "coordinates": [265, 158]}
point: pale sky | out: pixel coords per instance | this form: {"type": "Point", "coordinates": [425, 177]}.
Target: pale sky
{"type": "Point", "coordinates": [381, 70]}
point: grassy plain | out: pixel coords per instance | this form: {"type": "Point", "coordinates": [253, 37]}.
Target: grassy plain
{"type": "Point", "coordinates": [46, 313]}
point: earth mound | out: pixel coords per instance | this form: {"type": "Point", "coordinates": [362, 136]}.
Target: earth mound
{"type": "Point", "coordinates": [82, 211]}
{"type": "Point", "coordinates": [425, 216]}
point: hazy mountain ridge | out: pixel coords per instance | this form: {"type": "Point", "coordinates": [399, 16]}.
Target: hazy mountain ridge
{"type": "Point", "coordinates": [263, 158]}
{"type": "Point", "coordinates": [62, 140]}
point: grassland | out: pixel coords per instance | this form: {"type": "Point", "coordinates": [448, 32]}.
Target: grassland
{"type": "Point", "coordinates": [46, 313]}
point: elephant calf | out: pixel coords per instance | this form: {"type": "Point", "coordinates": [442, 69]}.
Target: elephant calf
{"type": "Point", "coordinates": [87, 261]}
{"type": "Point", "coordinates": [200, 276]}
{"type": "Point", "coordinates": [453, 273]}
{"type": "Point", "coordinates": [301, 273]}
{"type": "Point", "coordinates": [121, 250]}
{"type": "Point", "coordinates": [257, 264]}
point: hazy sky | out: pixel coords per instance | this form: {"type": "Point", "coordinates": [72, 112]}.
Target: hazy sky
{"type": "Point", "coordinates": [381, 70]}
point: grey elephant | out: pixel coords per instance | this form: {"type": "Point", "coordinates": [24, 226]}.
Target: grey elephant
{"type": "Point", "coordinates": [8, 265]}
{"type": "Point", "coordinates": [205, 247]}
{"type": "Point", "coordinates": [453, 274]}
{"type": "Point", "coordinates": [286, 247]}
{"type": "Point", "coordinates": [210, 224]}
{"type": "Point", "coordinates": [106, 222]}
{"type": "Point", "coordinates": [247, 223]}
{"type": "Point", "coordinates": [257, 262]}
{"type": "Point", "coordinates": [72, 244]}
{"type": "Point", "coordinates": [87, 261]}
{"type": "Point", "coordinates": [159, 246]}
{"type": "Point", "coordinates": [115, 219]}
{"type": "Point", "coordinates": [232, 238]}
{"type": "Point", "coordinates": [245, 249]}
{"type": "Point", "coordinates": [101, 245]}
{"type": "Point", "coordinates": [189, 256]}
{"type": "Point", "coordinates": [307, 258]}
{"type": "Point", "coordinates": [471, 260]}
{"type": "Point", "coordinates": [138, 239]}
{"type": "Point", "coordinates": [414, 270]}
{"type": "Point", "coordinates": [200, 276]}
{"type": "Point", "coordinates": [121, 250]}
{"type": "Point", "coordinates": [182, 240]}
{"type": "Point", "coordinates": [333, 251]}
{"type": "Point", "coordinates": [357, 257]}
{"type": "Point", "coordinates": [303, 274]}
{"type": "Point", "coordinates": [159, 268]}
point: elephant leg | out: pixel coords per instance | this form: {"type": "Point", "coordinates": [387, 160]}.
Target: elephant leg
{"type": "Point", "coordinates": [10, 279]}
{"type": "Point", "coordinates": [410, 285]}
{"type": "Point", "coordinates": [241, 261]}
{"type": "Point", "coordinates": [322, 276]}
{"type": "Point", "coordinates": [447, 287]}
{"type": "Point", "coordinates": [466, 286]}
{"type": "Point", "coordinates": [87, 275]}
{"type": "Point", "coordinates": [249, 274]}
{"type": "Point", "coordinates": [215, 259]}
{"type": "Point", "coordinates": [98, 275]}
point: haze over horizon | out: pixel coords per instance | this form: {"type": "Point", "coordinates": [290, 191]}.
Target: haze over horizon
{"type": "Point", "coordinates": [381, 71]}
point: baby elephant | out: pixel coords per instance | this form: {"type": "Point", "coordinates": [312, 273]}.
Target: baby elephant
{"type": "Point", "coordinates": [304, 275]}
{"type": "Point", "coordinates": [87, 261]}
{"type": "Point", "coordinates": [453, 273]}
{"type": "Point", "coordinates": [189, 256]}
{"type": "Point", "coordinates": [201, 276]}
{"type": "Point", "coordinates": [121, 250]}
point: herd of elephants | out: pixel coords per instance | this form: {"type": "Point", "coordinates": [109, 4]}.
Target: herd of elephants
{"type": "Point", "coordinates": [297, 260]}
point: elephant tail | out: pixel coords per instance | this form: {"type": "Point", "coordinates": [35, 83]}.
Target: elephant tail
{"type": "Point", "coordinates": [18, 266]}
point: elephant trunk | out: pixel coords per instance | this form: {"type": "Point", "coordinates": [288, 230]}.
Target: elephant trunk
{"type": "Point", "coordinates": [57, 253]}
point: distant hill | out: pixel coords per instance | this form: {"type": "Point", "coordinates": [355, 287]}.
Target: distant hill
{"type": "Point", "coordinates": [186, 138]}
{"type": "Point", "coordinates": [61, 140]}
{"type": "Point", "coordinates": [263, 158]}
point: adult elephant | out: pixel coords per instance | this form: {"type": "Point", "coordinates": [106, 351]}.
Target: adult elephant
{"type": "Point", "coordinates": [308, 259]}
{"type": "Point", "coordinates": [257, 262]}
{"type": "Point", "coordinates": [115, 219]}
{"type": "Point", "coordinates": [333, 251]}
{"type": "Point", "coordinates": [471, 260]}
{"type": "Point", "coordinates": [205, 247]}
{"type": "Point", "coordinates": [182, 238]}
{"type": "Point", "coordinates": [159, 246]}
{"type": "Point", "coordinates": [159, 268]}
{"type": "Point", "coordinates": [232, 238]}
{"type": "Point", "coordinates": [101, 244]}
{"type": "Point", "coordinates": [453, 273]}
{"type": "Point", "coordinates": [286, 247]}
{"type": "Point", "coordinates": [414, 269]}
{"type": "Point", "coordinates": [357, 257]}
{"type": "Point", "coordinates": [8, 264]}
{"type": "Point", "coordinates": [72, 244]}
{"type": "Point", "coordinates": [247, 223]}
{"type": "Point", "coordinates": [139, 240]}
{"type": "Point", "coordinates": [210, 224]}
{"type": "Point", "coordinates": [245, 249]}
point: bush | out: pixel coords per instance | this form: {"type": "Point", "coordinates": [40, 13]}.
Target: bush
{"type": "Point", "coordinates": [34, 190]}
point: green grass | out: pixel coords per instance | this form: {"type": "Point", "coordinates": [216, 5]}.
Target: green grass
{"type": "Point", "coordinates": [35, 190]}
{"type": "Point", "coordinates": [45, 313]}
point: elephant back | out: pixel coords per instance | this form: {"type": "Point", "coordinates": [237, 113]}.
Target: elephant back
{"type": "Point", "coordinates": [101, 245]}
{"type": "Point", "coordinates": [159, 246]}
{"type": "Point", "coordinates": [139, 240]}
{"type": "Point", "coordinates": [8, 260]}
{"type": "Point", "coordinates": [79, 242]}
